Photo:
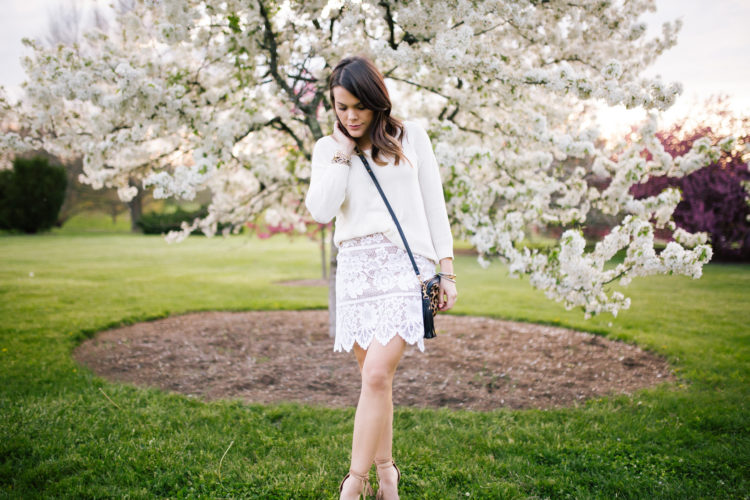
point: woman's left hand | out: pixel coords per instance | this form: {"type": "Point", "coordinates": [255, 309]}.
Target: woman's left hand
{"type": "Point", "coordinates": [448, 295]}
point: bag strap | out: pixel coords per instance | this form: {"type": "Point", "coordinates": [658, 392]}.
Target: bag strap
{"type": "Point", "coordinates": [390, 210]}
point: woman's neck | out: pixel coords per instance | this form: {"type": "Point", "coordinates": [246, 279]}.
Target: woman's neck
{"type": "Point", "coordinates": [364, 143]}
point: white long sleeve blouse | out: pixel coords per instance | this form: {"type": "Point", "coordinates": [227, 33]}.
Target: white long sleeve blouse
{"type": "Point", "coordinates": [414, 191]}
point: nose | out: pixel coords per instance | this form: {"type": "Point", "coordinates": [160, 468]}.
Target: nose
{"type": "Point", "coordinates": [351, 116]}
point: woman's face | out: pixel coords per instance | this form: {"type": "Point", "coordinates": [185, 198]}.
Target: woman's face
{"type": "Point", "coordinates": [355, 117]}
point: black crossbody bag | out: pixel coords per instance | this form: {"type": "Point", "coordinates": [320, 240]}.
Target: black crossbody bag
{"type": "Point", "coordinates": [430, 287]}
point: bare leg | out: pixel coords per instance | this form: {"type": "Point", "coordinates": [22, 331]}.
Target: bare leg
{"type": "Point", "coordinates": [387, 474]}
{"type": "Point", "coordinates": [375, 407]}
{"type": "Point", "coordinates": [360, 353]}
{"type": "Point", "coordinates": [385, 443]}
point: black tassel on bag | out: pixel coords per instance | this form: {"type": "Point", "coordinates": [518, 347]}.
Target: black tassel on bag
{"type": "Point", "coordinates": [430, 300]}
{"type": "Point", "coordinates": [429, 321]}
{"type": "Point", "coordinates": [431, 287]}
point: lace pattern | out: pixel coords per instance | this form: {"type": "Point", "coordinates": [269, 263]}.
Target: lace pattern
{"type": "Point", "coordinates": [377, 293]}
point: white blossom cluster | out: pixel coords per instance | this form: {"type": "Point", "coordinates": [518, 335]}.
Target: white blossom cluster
{"type": "Point", "coordinates": [230, 96]}
{"type": "Point", "coordinates": [12, 142]}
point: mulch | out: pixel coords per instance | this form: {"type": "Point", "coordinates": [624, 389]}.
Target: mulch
{"type": "Point", "coordinates": [474, 363]}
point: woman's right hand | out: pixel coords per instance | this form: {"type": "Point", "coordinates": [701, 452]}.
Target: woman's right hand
{"type": "Point", "coordinates": [345, 142]}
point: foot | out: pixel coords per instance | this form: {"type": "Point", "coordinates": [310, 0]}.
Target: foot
{"type": "Point", "coordinates": [354, 485]}
{"type": "Point", "coordinates": [388, 477]}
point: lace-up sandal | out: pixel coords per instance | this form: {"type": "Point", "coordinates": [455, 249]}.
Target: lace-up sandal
{"type": "Point", "coordinates": [384, 465]}
{"type": "Point", "coordinates": [363, 478]}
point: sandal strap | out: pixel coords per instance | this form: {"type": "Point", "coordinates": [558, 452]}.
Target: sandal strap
{"type": "Point", "coordinates": [387, 463]}
{"type": "Point", "coordinates": [383, 463]}
{"type": "Point", "coordinates": [362, 477]}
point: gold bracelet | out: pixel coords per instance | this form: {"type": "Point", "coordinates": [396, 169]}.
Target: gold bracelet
{"type": "Point", "coordinates": [447, 275]}
{"type": "Point", "coordinates": [340, 157]}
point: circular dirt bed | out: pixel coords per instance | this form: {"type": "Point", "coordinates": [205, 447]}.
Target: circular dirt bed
{"type": "Point", "coordinates": [269, 356]}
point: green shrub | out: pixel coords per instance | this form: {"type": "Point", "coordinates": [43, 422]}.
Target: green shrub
{"type": "Point", "coordinates": [159, 223]}
{"type": "Point", "coordinates": [31, 194]}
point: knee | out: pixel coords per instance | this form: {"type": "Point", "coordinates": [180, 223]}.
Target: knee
{"type": "Point", "coordinates": [376, 378]}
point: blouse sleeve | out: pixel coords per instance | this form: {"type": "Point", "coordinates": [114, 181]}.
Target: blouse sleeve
{"type": "Point", "coordinates": [327, 182]}
{"type": "Point", "coordinates": [432, 193]}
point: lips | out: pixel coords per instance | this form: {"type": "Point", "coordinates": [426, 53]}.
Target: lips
{"type": "Point", "coordinates": [354, 127]}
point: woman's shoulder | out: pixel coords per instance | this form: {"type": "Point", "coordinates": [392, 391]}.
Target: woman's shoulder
{"type": "Point", "coordinates": [326, 139]}
{"type": "Point", "coordinates": [412, 125]}
{"type": "Point", "coordinates": [325, 143]}
{"type": "Point", "coordinates": [414, 131]}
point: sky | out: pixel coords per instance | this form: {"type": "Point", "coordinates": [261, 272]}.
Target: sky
{"type": "Point", "coordinates": [711, 56]}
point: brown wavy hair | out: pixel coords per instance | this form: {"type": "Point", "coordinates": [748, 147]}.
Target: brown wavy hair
{"type": "Point", "coordinates": [362, 79]}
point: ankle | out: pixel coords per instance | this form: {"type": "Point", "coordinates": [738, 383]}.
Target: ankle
{"type": "Point", "coordinates": [382, 463]}
{"type": "Point", "coordinates": [387, 471]}
{"type": "Point", "coordinates": [362, 476]}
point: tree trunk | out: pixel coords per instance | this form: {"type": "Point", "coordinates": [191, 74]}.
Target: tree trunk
{"type": "Point", "coordinates": [323, 251]}
{"type": "Point", "coordinates": [332, 291]}
{"type": "Point", "coordinates": [136, 208]}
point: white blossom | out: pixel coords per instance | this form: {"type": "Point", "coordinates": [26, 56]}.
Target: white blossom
{"type": "Point", "coordinates": [190, 95]}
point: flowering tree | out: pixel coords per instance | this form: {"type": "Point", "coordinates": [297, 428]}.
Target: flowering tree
{"type": "Point", "coordinates": [231, 96]}
{"type": "Point", "coordinates": [12, 139]}
{"type": "Point", "coordinates": [715, 198]}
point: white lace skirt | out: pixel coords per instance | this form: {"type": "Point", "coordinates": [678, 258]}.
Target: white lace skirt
{"type": "Point", "coordinates": [378, 295]}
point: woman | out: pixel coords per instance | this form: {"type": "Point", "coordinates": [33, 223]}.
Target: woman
{"type": "Point", "coordinates": [378, 304]}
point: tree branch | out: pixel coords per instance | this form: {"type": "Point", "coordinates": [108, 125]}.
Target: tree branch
{"type": "Point", "coordinates": [278, 124]}
{"type": "Point", "coordinates": [391, 25]}
{"type": "Point", "coordinates": [419, 85]}
{"type": "Point", "coordinates": [570, 59]}
{"type": "Point", "coordinates": [269, 44]}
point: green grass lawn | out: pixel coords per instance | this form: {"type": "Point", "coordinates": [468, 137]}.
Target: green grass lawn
{"type": "Point", "coordinates": [94, 222]}
{"type": "Point", "coordinates": [62, 438]}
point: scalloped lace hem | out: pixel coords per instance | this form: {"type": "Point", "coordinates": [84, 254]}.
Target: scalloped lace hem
{"type": "Point", "coordinates": [377, 293]}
